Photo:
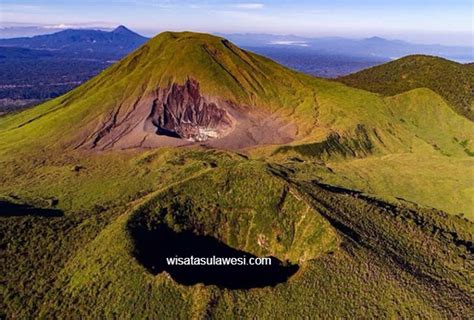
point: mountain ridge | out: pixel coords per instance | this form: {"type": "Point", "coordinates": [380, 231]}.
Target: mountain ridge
{"type": "Point", "coordinates": [81, 40]}
{"type": "Point", "coordinates": [418, 71]}
{"type": "Point", "coordinates": [374, 46]}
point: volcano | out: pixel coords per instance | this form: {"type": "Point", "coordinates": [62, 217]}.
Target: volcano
{"type": "Point", "coordinates": [178, 89]}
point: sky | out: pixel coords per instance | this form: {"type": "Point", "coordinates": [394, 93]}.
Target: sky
{"type": "Point", "coordinates": [430, 21]}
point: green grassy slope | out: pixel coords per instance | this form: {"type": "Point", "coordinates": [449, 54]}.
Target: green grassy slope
{"type": "Point", "coordinates": [358, 257]}
{"type": "Point", "coordinates": [361, 255]}
{"type": "Point", "coordinates": [453, 81]}
{"type": "Point", "coordinates": [429, 180]}
{"type": "Point", "coordinates": [416, 148]}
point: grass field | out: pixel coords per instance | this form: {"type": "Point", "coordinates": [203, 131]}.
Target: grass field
{"type": "Point", "coordinates": [418, 71]}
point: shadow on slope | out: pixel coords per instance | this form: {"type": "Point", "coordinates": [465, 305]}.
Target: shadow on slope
{"type": "Point", "coordinates": [8, 209]}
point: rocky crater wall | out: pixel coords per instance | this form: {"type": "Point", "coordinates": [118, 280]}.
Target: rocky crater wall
{"type": "Point", "coordinates": [181, 111]}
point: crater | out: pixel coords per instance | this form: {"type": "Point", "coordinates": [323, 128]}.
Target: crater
{"type": "Point", "coordinates": [206, 260]}
{"type": "Point", "coordinates": [234, 211]}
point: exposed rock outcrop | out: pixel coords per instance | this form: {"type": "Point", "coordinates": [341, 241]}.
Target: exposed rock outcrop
{"type": "Point", "coordinates": [180, 111]}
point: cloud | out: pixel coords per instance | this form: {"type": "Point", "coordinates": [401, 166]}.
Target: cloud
{"type": "Point", "coordinates": [248, 6]}
{"type": "Point", "coordinates": [290, 43]}
{"type": "Point", "coordinates": [60, 26]}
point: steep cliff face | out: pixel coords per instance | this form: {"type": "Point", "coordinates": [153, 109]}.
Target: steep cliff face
{"type": "Point", "coordinates": [180, 111]}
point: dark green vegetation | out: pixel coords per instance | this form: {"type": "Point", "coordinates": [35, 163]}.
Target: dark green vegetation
{"type": "Point", "coordinates": [33, 78]}
{"type": "Point", "coordinates": [452, 81]}
{"type": "Point", "coordinates": [367, 200]}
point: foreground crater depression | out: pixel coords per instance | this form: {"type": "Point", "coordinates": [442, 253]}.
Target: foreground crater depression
{"type": "Point", "coordinates": [243, 220]}
{"type": "Point", "coordinates": [154, 247]}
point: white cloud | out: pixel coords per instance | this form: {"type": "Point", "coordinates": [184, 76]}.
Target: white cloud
{"type": "Point", "coordinates": [60, 26]}
{"type": "Point", "coordinates": [290, 43]}
{"type": "Point", "coordinates": [248, 6]}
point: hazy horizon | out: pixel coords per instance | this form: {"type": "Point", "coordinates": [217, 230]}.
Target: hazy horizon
{"type": "Point", "coordinates": [412, 21]}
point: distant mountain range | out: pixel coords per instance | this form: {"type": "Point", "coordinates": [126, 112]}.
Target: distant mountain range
{"type": "Point", "coordinates": [124, 39]}
{"type": "Point", "coordinates": [86, 43]}
{"type": "Point", "coordinates": [320, 64]}
{"type": "Point", "coordinates": [368, 47]}
{"type": "Point", "coordinates": [332, 57]}
{"type": "Point", "coordinates": [33, 69]}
